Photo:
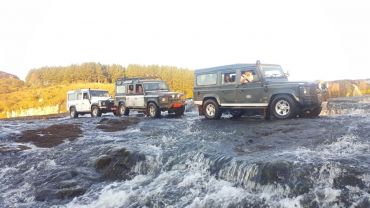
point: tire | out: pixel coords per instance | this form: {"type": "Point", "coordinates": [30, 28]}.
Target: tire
{"type": "Point", "coordinates": [211, 110]}
{"type": "Point", "coordinates": [73, 113]}
{"type": "Point", "coordinates": [236, 113]}
{"type": "Point", "coordinates": [153, 111]}
{"type": "Point", "coordinates": [283, 107]}
{"type": "Point", "coordinates": [180, 111]}
{"type": "Point", "coordinates": [122, 110]}
{"type": "Point", "coordinates": [312, 114]}
{"type": "Point", "coordinates": [95, 111]}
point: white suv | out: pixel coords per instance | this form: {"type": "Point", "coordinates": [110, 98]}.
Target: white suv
{"type": "Point", "coordinates": [95, 102]}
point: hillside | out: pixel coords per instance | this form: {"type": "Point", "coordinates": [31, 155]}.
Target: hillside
{"type": "Point", "coordinates": [9, 83]}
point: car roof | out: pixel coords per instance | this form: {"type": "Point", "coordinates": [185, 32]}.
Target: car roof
{"type": "Point", "coordinates": [79, 90]}
{"type": "Point", "coordinates": [228, 67]}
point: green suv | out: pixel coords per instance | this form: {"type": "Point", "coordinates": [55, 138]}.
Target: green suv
{"type": "Point", "coordinates": [249, 88]}
{"type": "Point", "coordinates": [148, 95]}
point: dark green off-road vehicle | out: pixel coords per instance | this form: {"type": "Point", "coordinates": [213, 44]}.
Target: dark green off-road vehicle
{"type": "Point", "coordinates": [148, 95]}
{"type": "Point", "coordinates": [246, 88]}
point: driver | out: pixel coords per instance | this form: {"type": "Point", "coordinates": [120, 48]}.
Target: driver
{"type": "Point", "coordinates": [246, 77]}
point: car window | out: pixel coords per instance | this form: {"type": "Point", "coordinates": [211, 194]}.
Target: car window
{"type": "Point", "coordinates": [130, 89]}
{"type": "Point", "coordinates": [121, 89]}
{"type": "Point", "coordinates": [228, 78]}
{"type": "Point", "coordinates": [85, 96]}
{"type": "Point", "coordinates": [79, 96]}
{"type": "Point", "coordinates": [248, 76]}
{"type": "Point", "coordinates": [139, 89]}
{"type": "Point", "coordinates": [207, 79]}
{"type": "Point", "coordinates": [72, 96]}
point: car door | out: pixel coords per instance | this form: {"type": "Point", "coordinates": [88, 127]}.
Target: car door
{"type": "Point", "coordinates": [139, 96]}
{"type": "Point", "coordinates": [250, 90]}
{"type": "Point", "coordinates": [85, 102]}
{"type": "Point", "coordinates": [227, 90]}
{"type": "Point", "coordinates": [130, 97]}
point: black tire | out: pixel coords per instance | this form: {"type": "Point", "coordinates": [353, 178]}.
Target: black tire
{"type": "Point", "coordinates": [211, 110]}
{"type": "Point", "coordinates": [73, 113]}
{"type": "Point", "coordinates": [236, 113]}
{"type": "Point", "coordinates": [180, 111]}
{"type": "Point", "coordinates": [95, 112]}
{"type": "Point", "coordinates": [312, 114]}
{"type": "Point", "coordinates": [122, 110]}
{"type": "Point", "coordinates": [153, 111]}
{"type": "Point", "coordinates": [283, 107]}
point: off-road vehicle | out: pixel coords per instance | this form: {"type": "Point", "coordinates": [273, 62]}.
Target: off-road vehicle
{"type": "Point", "coordinates": [248, 88]}
{"type": "Point", "coordinates": [149, 95]}
{"type": "Point", "coordinates": [85, 101]}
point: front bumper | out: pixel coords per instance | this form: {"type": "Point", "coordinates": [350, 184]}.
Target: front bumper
{"type": "Point", "coordinates": [172, 105]}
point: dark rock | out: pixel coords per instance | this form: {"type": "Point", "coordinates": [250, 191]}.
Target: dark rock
{"type": "Point", "coordinates": [12, 149]}
{"type": "Point", "coordinates": [50, 194]}
{"type": "Point", "coordinates": [51, 136]}
{"type": "Point", "coordinates": [348, 179]}
{"type": "Point", "coordinates": [117, 164]}
{"type": "Point", "coordinates": [112, 125]}
{"type": "Point", "coordinates": [61, 185]}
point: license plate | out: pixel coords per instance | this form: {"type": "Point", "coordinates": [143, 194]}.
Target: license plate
{"type": "Point", "coordinates": [177, 105]}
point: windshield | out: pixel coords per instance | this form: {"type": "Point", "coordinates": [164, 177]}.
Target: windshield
{"type": "Point", "coordinates": [99, 93]}
{"type": "Point", "coordinates": [273, 72]}
{"type": "Point", "coordinates": [153, 86]}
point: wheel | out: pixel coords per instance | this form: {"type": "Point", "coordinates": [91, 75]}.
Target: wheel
{"type": "Point", "coordinates": [73, 113]}
{"type": "Point", "coordinates": [95, 111]}
{"type": "Point", "coordinates": [153, 110]}
{"type": "Point", "coordinates": [236, 113]}
{"type": "Point", "coordinates": [122, 110]}
{"type": "Point", "coordinates": [211, 109]}
{"type": "Point", "coordinates": [180, 111]}
{"type": "Point", "coordinates": [283, 107]}
{"type": "Point", "coordinates": [312, 114]}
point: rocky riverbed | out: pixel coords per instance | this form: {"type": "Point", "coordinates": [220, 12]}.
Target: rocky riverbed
{"type": "Point", "coordinates": [189, 161]}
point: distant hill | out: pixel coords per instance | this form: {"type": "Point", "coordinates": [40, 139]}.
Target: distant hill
{"type": "Point", "coordinates": [4, 75]}
{"type": "Point", "coordinates": [9, 83]}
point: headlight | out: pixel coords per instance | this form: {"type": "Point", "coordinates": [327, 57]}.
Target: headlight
{"type": "Point", "coordinates": [164, 99]}
{"type": "Point", "coordinates": [304, 90]}
{"type": "Point", "coordinates": [179, 96]}
{"type": "Point", "coordinates": [103, 103]}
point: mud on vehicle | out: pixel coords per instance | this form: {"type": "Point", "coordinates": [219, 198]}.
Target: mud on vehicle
{"type": "Point", "coordinates": [88, 101]}
{"type": "Point", "coordinates": [150, 96]}
{"type": "Point", "coordinates": [254, 88]}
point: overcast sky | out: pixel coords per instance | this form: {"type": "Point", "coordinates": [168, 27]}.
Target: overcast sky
{"type": "Point", "coordinates": [313, 39]}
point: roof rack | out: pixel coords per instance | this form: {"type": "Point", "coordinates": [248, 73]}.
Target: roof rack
{"type": "Point", "coordinates": [137, 78]}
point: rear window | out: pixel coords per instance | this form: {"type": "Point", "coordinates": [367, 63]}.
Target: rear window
{"type": "Point", "coordinates": [207, 79]}
{"type": "Point", "coordinates": [121, 89]}
{"type": "Point", "coordinates": [72, 96]}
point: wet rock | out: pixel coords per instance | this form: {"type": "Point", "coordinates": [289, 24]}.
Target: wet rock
{"type": "Point", "coordinates": [117, 164]}
{"type": "Point", "coordinates": [51, 136]}
{"type": "Point", "coordinates": [12, 149]}
{"type": "Point", "coordinates": [59, 194]}
{"type": "Point", "coordinates": [62, 185]}
{"type": "Point", "coordinates": [112, 125]}
{"type": "Point", "coordinates": [348, 179]}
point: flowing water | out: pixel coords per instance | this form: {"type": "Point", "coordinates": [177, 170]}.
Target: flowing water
{"type": "Point", "coordinates": [191, 162]}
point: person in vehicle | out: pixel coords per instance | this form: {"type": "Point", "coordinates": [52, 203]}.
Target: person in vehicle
{"type": "Point", "coordinates": [246, 77]}
{"type": "Point", "coordinates": [139, 89]}
{"type": "Point", "coordinates": [130, 89]}
{"type": "Point", "coordinates": [227, 78]}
